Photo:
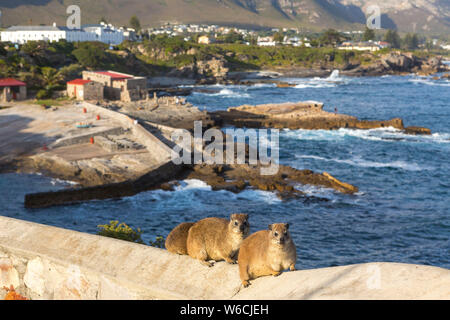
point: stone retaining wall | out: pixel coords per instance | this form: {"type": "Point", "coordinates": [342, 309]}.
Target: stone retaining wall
{"type": "Point", "coordinates": [44, 262]}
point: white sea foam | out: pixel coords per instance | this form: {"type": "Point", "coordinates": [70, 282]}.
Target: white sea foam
{"type": "Point", "coordinates": [190, 184]}
{"type": "Point", "coordinates": [331, 81]}
{"type": "Point", "coordinates": [334, 75]}
{"type": "Point", "coordinates": [258, 195]}
{"type": "Point", "coordinates": [430, 82]}
{"type": "Point", "coordinates": [314, 84]}
{"type": "Point", "coordinates": [386, 134]}
{"type": "Point", "coordinates": [56, 181]}
{"type": "Point", "coordinates": [263, 85]}
{"type": "Point", "coordinates": [227, 92]}
{"type": "Point", "coordinates": [360, 162]}
{"type": "Point", "coordinates": [315, 191]}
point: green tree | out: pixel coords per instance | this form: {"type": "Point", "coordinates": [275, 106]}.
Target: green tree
{"type": "Point", "coordinates": [90, 54]}
{"type": "Point", "coordinates": [50, 76]}
{"type": "Point", "coordinates": [331, 37]}
{"type": "Point", "coordinates": [232, 37]}
{"type": "Point", "coordinates": [369, 34]}
{"type": "Point", "coordinates": [135, 23]}
{"type": "Point", "coordinates": [411, 41]}
{"type": "Point", "coordinates": [393, 38]}
{"type": "Point", "coordinates": [278, 37]}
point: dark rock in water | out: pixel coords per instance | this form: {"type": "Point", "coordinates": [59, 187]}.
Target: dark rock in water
{"type": "Point", "coordinates": [236, 178]}
{"type": "Point", "coordinates": [417, 130]}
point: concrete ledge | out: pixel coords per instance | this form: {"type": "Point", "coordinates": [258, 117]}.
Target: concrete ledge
{"type": "Point", "coordinates": [45, 262]}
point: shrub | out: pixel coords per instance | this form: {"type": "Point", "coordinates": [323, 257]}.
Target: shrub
{"type": "Point", "coordinates": [120, 231]}
{"type": "Point", "coordinates": [90, 54]}
{"type": "Point", "coordinates": [43, 94]}
{"type": "Point", "coordinates": [123, 232]}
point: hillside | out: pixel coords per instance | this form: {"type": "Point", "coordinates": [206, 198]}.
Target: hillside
{"type": "Point", "coordinates": [431, 16]}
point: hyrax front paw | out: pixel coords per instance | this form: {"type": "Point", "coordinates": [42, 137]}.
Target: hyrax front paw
{"type": "Point", "coordinates": [231, 260]}
{"type": "Point", "coordinates": [276, 273]}
{"type": "Point", "coordinates": [245, 283]}
{"type": "Point", "coordinates": [207, 263]}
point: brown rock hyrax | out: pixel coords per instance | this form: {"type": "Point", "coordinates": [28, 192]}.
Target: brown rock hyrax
{"type": "Point", "coordinates": [217, 238]}
{"type": "Point", "coordinates": [267, 252]}
{"type": "Point", "coordinates": [176, 240]}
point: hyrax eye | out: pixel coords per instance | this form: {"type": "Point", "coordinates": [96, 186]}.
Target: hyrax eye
{"type": "Point", "coordinates": [275, 234]}
{"type": "Point", "coordinates": [236, 223]}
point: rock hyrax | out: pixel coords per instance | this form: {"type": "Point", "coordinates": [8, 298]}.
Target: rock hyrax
{"type": "Point", "coordinates": [176, 240]}
{"type": "Point", "coordinates": [267, 252]}
{"type": "Point", "coordinates": [217, 238]}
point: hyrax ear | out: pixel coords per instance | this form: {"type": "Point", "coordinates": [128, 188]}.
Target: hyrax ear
{"type": "Point", "coordinates": [270, 227]}
{"type": "Point", "coordinates": [233, 216]}
{"type": "Point", "coordinates": [287, 226]}
{"type": "Point", "coordinates": [246, 216]}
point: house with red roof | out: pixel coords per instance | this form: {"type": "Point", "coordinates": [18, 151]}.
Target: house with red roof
{"type": "Point", "coordinates": [12, 89]}
{"type": "Point", "coordinates": [81, 89]}
{"type": "Point", "coordinates": [119, 86]}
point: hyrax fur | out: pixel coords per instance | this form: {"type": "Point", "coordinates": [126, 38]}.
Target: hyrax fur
{"type": "Point", "coordinates": [176, 240]}
{"type": "Point", "coordinates": [267, 252]}
{"type": "Point", "coordinates": [217, 238]}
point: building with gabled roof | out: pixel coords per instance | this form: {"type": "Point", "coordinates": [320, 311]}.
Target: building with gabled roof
{"type": "Point", "coordinates": [12, 89]}
{"type": "Point", "coordinates": [119, 86]}
{"type": "Point", "coordinates": [81, 89]}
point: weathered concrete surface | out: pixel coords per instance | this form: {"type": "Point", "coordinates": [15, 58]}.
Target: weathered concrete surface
{"type": "Point", "coordinates": [45, 262]}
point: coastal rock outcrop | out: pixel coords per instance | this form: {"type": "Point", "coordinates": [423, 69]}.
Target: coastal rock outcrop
{"type": "Point", "coordinates": [398, 62]}
{"type": "Point", "coordinates": [298, 115]}
{"type": "Point", "coordinates": [284, 183]}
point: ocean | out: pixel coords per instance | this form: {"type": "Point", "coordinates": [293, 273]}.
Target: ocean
{"type": "Point", "coordinates": [400, 214]}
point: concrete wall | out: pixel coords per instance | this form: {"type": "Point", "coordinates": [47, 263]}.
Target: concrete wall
{"type": "Point", "coordinates": [142, 135]}
{"type": "Point", "coordinates": [44, 262]}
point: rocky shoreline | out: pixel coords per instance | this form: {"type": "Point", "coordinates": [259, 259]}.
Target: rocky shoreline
{"type": "Point", "coordinates": [130, 148]}
{"type": "Point", "coordinates": [302, 115]}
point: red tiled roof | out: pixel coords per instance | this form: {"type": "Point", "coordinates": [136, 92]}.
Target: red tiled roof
{"type": "Point", "coordinates": [113, 75]}
{"type": "Point", "coordinates": [79, 81]}
{"type": "Point", "coordinates": [10, 82]}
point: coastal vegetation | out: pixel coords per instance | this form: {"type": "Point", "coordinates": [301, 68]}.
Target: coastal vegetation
{"type": "Point", "coordinates": [46, 67]}
{"type": "Point", "coordinates": [124, 232]}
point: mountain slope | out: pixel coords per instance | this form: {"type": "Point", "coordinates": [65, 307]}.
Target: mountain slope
{"type": "Point", "coordinates": [406, 15]}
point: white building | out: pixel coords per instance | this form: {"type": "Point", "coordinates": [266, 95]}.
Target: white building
{"type": "Point", "coordinates": [101, 32]}
{"type": "Point", "coordinates": [359, 46]}
{"type": "Point", "coordinates": [266, 42]}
